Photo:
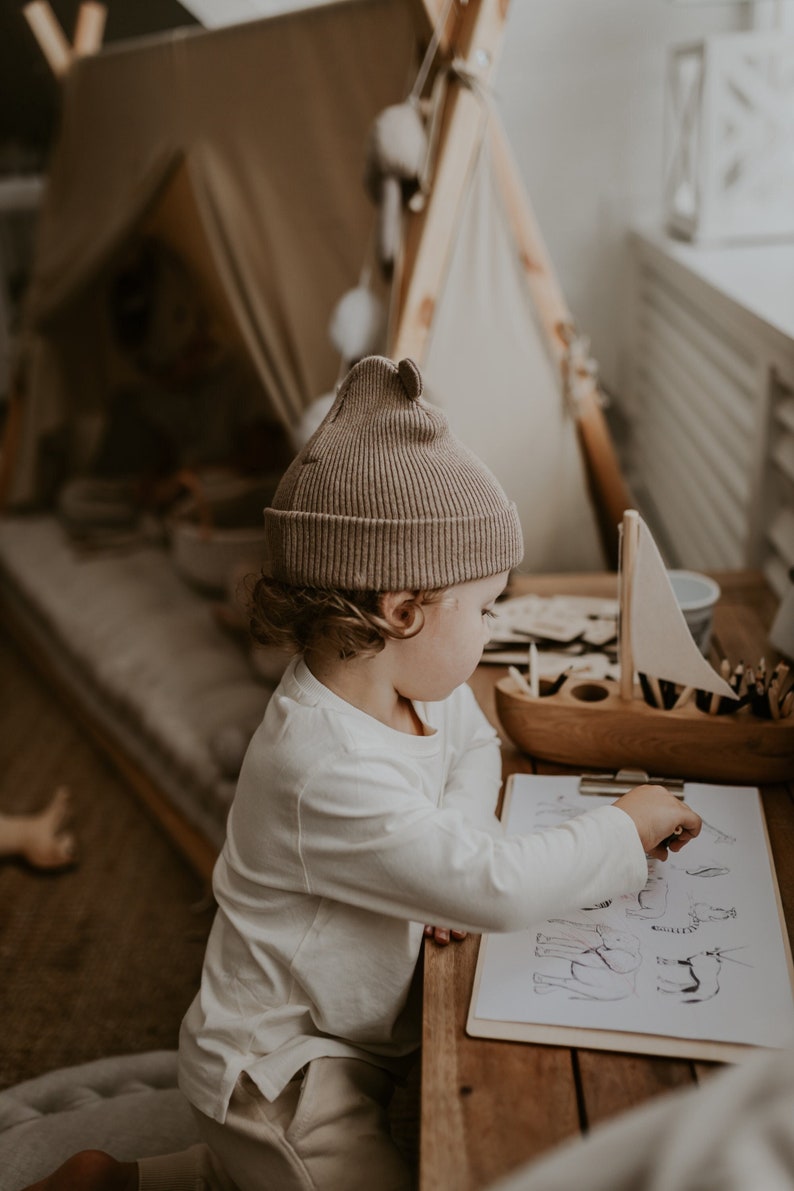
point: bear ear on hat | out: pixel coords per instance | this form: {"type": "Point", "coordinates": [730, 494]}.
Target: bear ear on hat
{"type": "Point", "coordinates": [411, 379]}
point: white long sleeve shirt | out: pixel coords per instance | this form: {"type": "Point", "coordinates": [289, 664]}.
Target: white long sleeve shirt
{"type": "Point", "coordinates": [344, 838]}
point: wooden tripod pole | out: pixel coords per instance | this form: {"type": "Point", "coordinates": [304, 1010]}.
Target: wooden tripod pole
{"type": "Point", "coordinates": [53, 42]}
{"type": "Point", "coordinates": [430, 234]}
{"type": "Point", "coordinates": [477, 37]}
{"type": "Point", "coordinates": [90, 27]}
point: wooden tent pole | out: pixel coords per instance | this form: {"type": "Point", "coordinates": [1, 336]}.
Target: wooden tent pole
{"type": "Point", "coordinates": [610, 493]}
{"type": "Point", "coordinates": [90, 27]}
{"type": "Point", "coordinates": [432, 13]}
{"type": "Point", "coordinates": [430, 233]}
{"type": "Point", "coordinates": [52, 40]}
{"type": "Point", "coordinates": [430, 244]}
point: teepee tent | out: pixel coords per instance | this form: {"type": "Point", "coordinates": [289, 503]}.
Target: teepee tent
{"type": "Point", "coordinates": [244, 147]}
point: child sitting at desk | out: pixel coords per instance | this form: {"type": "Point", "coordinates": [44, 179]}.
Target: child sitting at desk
{"type": "Point", "coordinates": [365, 808]}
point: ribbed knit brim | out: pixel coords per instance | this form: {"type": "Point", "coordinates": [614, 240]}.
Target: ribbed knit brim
{"type": "Point", "coordinates": [383, 497]}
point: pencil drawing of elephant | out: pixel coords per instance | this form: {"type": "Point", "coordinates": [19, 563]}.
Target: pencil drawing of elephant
{"type": "Point", "coordinates": [602, 961]}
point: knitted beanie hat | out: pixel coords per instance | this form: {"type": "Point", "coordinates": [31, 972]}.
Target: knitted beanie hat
{"type": "Point", "coordinates": [383, 497]}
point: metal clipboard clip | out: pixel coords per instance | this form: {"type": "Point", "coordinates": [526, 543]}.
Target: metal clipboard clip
{"type": "Point", "coordinates": [625, 780]}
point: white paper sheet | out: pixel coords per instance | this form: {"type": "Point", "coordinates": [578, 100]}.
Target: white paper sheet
{"type": "Point", "coordinates": [699, 954]}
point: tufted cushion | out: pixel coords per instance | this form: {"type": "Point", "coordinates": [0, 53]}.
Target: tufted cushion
{"type": "Point", "coordinates": [139, 651]}
{"type": "Point", "coordinates": [129, 1106]}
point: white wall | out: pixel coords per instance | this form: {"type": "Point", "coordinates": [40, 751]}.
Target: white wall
{"type": "Point", "coordinates": [581, 88]}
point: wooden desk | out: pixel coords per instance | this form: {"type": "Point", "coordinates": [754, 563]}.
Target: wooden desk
{"type": "Point", "coordinates": [488, 1107]}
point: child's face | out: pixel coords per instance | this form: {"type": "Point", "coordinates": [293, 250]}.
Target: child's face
{"type": "Point", "coordinates": [448, 648]}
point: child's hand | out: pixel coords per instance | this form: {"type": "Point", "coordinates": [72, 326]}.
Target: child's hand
{"type": "Point", "coordinates": [442, 935]}
{"type": "Point", "coordinates": [657, 814]}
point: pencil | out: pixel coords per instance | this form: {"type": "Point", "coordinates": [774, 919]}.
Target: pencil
{"type": "Point", "coordinates": [647, 692]}
{"type": "Point", "coordinates": [558, 682]}
{"type": "Point", "coordinates": [520, 681]}
{"type": "Point", "coordinates": [736, 678]}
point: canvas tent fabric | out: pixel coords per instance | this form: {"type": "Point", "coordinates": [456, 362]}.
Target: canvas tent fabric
{"type": "Point", "coordinates": [255, 137]}
{"type": "Point", "coordinates": [487, 344]}
{"type": "Point", "coordinates": [245, 148]}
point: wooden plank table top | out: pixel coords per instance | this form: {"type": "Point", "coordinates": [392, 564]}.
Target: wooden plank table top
{"type": "Point", "coordinates": [490, 1106]}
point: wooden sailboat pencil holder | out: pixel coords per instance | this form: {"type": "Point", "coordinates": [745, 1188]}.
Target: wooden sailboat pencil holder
{"type": "Point", "coordinates": [587, 723]}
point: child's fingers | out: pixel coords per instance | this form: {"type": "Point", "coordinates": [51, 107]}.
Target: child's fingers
{"type": "Point", "coordinates": [680, 841]}
{"type": "Point", "coordinates": [442, 934]}
{"type": "Point", "coordinates": [690, 822]}
{"type": "Point", "coordinates": [673, 843]}
{"type": "Point", "coordinates": [657, 853]}
{"type": "Point", "coordinates": [687, 827]}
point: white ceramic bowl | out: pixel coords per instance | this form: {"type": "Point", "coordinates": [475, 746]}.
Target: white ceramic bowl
{"type": "Point", "coordinates": [696, 595]}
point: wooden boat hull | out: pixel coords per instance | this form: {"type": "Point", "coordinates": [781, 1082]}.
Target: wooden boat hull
{"type": "Point", "coordinates": [588, 724]}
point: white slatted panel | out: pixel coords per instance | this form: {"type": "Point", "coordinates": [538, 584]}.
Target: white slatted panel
{"type": "Point", "coordinates": [695, 438]}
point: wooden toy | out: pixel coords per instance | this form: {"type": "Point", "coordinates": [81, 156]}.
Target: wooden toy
{"type": "Point", "coordinates": [704, 726]}
{"type": "Point", "coordinates": [41, 838]}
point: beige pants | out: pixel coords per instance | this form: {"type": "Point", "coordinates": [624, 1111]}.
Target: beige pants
{"type": "Point", "coordinates": [327, 1131]}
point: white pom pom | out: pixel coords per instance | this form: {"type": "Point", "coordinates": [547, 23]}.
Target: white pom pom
{"type": "Point", "coordinates": [357, 324]}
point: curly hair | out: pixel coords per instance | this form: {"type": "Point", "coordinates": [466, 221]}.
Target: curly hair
{"type": "Point", "coordinates": [347, 623]}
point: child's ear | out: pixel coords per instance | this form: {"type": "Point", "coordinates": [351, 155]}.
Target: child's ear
{"type": "Point", "coordinates": [400, 610]}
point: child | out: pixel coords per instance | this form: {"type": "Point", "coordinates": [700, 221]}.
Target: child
{"type": "Point", "coordinates": [365, 805]}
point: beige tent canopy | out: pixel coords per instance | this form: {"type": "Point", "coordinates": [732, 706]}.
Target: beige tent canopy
{"type": "Point", "coordinates": [244, 148]}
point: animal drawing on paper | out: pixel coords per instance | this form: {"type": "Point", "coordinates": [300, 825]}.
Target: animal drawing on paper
{"type": "Point", "coordinates": [557, 810]}
{"type": "Point", "coordinates": [699, 912]}
{"type": "Point", "coordinates": [707, 870]}
{"type": "Point", "coordinates": [652, 899]}
{"type": "Point", "coordinates": [717, 835]}
{"type": "Point", "coordinates": [694, 978]}
{"type": "Point", "coordinates": [601, 962]}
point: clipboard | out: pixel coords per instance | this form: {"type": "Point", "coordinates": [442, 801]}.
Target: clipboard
{"type": "Point", "coordinates": [510, 973]}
